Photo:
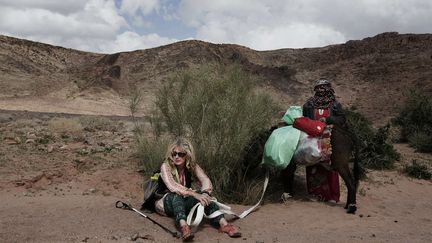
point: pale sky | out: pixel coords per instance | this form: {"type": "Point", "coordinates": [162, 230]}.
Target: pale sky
{"type": "Point", "coordinates": [109, 26]}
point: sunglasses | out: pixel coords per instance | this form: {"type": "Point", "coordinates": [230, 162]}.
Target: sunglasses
{"type": "Point", "coordinates": [180, 154]}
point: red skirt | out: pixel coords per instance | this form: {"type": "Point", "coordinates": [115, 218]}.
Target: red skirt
{"type": "Point", "coordinates": [323, 183]}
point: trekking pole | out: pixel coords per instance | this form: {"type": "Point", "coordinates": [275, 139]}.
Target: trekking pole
{"type": "Point", "coordinates": [122, 205]}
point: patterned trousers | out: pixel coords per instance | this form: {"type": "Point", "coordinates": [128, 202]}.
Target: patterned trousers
{"type": "Point", "coordinates": [179, 207]}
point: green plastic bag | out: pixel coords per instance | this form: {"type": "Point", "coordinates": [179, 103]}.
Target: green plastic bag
{"type": "Point", "coordinates": [280, 147]}
{"type": "Point", "coordinates": [292, 113]}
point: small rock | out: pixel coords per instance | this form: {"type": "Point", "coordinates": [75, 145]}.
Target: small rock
{"type": "Point", "coordinates": [373, 235]}
{"type": "Point", "coordinates": [32, 136]}
{"type": "Point", "coordinates": [19, 183]}
{"type": "Point", "coordinates": [85, 239]}
{"type": "Point", "coordinates": [50, 148]}
{"type": "Point", "coordinates": [114, 237]}
{"type": "Point", "coordinates": [148, 237]}
{"type": "Point", "coordinates": [134, 237]}
{"type": "Point", "coordinates": [10, 141]}
{"type": "Point", "coordinates": [18, 140]}
{"type": "Point", "coordinates": [30, 140]}
{"type": "Point", "coordinates": [361, 215]}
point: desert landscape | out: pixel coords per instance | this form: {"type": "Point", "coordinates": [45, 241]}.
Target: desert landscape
{"type": "Point", "coordinates": [67, 142]}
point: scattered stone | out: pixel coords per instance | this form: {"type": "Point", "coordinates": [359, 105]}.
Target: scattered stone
{"type": "Point", "coordinates": [10, 141]}
{"type": "Point", "coordinates": [18, 140]}
{"type": "Point", "coordinates": [41, 147]}
{"type": "Point", "coordinates": [147, 237]}
{"type": "Point", "coordinates": [114, 237]}
{"type": "Point", "coordinates": [85, 239]}
{"type": "Point", "coordinates": [19, 183]}
{"type": "Point", "coordinates": [134, 237]}
{"type": "Point", "coordinates": [32, 136]}
{"type": "Point", "coordinates": [373, 235]}
{"type": "Point", "coordinates": [361, 215]}
{"type": "Point", "coordinates": [88, 141]}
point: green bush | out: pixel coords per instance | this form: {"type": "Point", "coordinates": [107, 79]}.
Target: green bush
{"type": "Point", "coordinates": [421, 141]}
{"type": "Point", "coordinates": [418, 170]}
{"type": "Point", "coordinates": [375, 151]}
{"type": "Point", "coordinates": [220, 110]}
{"type": "Point", "coordinates": [415, 120]}
{"type": "Point", "coordinates": [151, 153]}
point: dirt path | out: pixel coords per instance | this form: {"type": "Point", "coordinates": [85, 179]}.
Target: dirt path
{"type": "Point", "coordinates": [392, 208]}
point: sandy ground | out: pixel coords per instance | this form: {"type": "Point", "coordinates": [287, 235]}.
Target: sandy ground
{"type": "Point", "coordinates": [47, 197]}
{"type": "Point", "coordinates": [392, 208]}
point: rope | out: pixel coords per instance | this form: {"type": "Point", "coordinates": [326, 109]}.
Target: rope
{"type": "Point", "coordinates": [198, 209]}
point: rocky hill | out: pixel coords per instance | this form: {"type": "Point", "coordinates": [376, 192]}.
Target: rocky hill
{"type": "Point", "coordinates": [373, 74]}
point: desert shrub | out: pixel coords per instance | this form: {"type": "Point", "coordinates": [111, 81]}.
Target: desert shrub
{"type": "Point", "coordinates": [135, 99]}
{"type": "Point", "coordinates": [375, 151]}
{"type": "Point", "coordinates": [91, 124]}
{"type": "Point", "coordinates": [421, 141]}
{"type": "Point", "coordinates": [151, 153]}
{"type": "Point", "coordinates": [65, 127]}
{"type": "Point", "coordinates": [418, 170]}
{"type": "Point", "coordinates": [220, 110]}
{"type": "Point", "coordinates": [45, 139]}
{"type": "Point", "coordinates": [416, 121]}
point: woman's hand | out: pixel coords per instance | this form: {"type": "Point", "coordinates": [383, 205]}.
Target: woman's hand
{"type": "Point", "coordinates": [204, 198]}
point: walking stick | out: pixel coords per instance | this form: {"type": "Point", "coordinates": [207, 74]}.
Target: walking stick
{"type": "Point", "coordinates": [122, 205]}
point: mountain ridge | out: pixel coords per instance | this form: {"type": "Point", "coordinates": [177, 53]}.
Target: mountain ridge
{"type": "Point", "coordinates": [369, 73]}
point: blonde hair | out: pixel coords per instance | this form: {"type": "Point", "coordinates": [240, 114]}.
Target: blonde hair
{"type": "Point", "coordinates": [187, 147]}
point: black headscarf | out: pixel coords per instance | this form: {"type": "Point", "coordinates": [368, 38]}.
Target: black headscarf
{"type": "Point", "coordinates": [324, 96]}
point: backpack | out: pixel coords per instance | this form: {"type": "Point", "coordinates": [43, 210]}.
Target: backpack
{"type": "Point", "coordinates": [150, 187]}
{"type": "Point", "coordinates": [155, 188]}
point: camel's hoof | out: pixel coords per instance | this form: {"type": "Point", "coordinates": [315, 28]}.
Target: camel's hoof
{"type": "Point", "coordinates": [351, 208]}
{"type": "Point", "coordinates": [285, 197]}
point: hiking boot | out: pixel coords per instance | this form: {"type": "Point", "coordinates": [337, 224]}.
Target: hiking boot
{"type": "Point", "coordinates": [230, 230]}
{"type": "Point", "coordinates": [186, 232]}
